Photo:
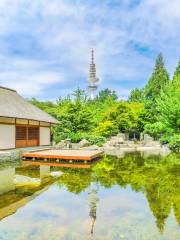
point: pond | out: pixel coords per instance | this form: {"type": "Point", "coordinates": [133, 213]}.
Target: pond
{"type": "Point", "coordinates": [132, 197]}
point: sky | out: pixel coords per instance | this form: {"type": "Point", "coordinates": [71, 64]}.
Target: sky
{"type": "Point", "coordinates": [45, 45]}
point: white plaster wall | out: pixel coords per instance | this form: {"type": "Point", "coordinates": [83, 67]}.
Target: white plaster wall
{"type": "Point", "coordinates": [7, 136]}
{"type": "Point", "coordinates": [44, 136]}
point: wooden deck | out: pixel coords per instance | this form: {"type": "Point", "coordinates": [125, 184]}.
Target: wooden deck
{"type": "Point", "coordinates": [65, 155]}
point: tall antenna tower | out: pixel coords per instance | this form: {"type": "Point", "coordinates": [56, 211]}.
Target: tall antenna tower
{"type": "Point", "coordinates": [93, 80]}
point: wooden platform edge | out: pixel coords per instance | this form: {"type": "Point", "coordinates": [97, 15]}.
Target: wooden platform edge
{"type": "Point", "coordinates": [60, 157]}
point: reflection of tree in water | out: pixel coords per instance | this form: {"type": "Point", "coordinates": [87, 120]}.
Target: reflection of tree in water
{"type": "Point", "coordinates": [176, 207]}
{"type": "Point", "coordinates": [158, 178]}
{"type": "Point", "coordinates": [93, 201]}
{"type": "Point", "coordinates": [160, 205]}
{"type": "Point", "coordinates": [75, 180]}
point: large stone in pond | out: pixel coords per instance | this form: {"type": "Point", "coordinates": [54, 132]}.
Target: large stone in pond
{"type": "Point", "coordinates": [84, 143]}
{"type": "Point", "coordinates": [115, 141]}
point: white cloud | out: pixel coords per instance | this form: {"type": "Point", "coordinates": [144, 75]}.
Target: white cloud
{"type": "Point", "coordinates": [29, 84]}
{"type": "Point", "coordinates": [126, 39]}
{"type": "Point", "coordinates": [28, 77]}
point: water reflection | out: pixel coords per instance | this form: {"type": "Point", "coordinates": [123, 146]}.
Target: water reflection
{"type": "Point", "coordinates": [20, 185]}
{"type": "Point", "coordinates": [158, 178]}
{"type": "Point", "coordinates": [116, 198]}
{"type": "Point", "coordinates": [93, 201]}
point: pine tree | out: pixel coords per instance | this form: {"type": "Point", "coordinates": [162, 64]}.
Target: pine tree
{"type": "Point", "coordinates": [176, 77]}
{"type": "Point", "coordinates": [158, 80]}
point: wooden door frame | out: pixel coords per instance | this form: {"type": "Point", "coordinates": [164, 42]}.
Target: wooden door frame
{"type": "Point", "coordinates": [27, 126]}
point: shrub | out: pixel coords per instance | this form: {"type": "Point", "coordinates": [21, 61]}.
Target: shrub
{"type": "Point", "coordinates": [93, 139]}
{"type": "Point", "coordinates": [164, 139]}
{"type": "Point", "coordinates": [106, 129]}
{"type": "Point", "coordinates": [60, 136]}
{"type": "Point", "coordinates": [155, 130]}
{"type": "Point", "coordinates": [76, 137]}
{"type": "Point", "coordinates": [174, 143]}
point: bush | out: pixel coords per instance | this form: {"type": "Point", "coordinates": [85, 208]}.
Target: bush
{"type": "Point", "coordinates": [155, 130]}
{"type": "Point", "coordinates": [93, 139]}
{"type": "Point", "coordinates": [174, 143]}
{"type": "Point", "coordinates": [106, 129]}
{"type": "Point", "coordinates": [60, 136]}
{"type": "Point", "coordinates": [77, 137]}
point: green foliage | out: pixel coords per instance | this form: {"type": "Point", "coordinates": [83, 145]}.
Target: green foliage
{"type": "Point", "coordinates": [176, 77]}
{"type": "Point", "coordinates": [106, 129]}
{"type": "Point", "coordinates": [81, 118]}
{"type": "Point", "coordinates": [174, 142]}
{"type": "Point", "coordinates": [95, 120]}
{"type": "Point", "coordinates": [106, 94]}
{"type": "Point", "coordinates": [167, 127]}
{"type": "Point", "coordinates": [161, 99]}
{"type": "Point", "coordinates": [158, 80]}
{"type": "Point", "coordinates": [74, 117]}
{"type": "Point", "coordinates": [46, 106]}
{"type": "Point", "coordinates": [136, 95]}
{"type": "Point", "coordinates": [94, 139]}
{"type": "Point", "coordinates": [156, 130]}
{"type": "Point", "coordinates": [127, 116]}
{"type": "Point", "coordinates": [168, 106]}
{"type": "Point", "coordinates": [154, 176]}
{"type": "Point", "coordinates": [154, 110]}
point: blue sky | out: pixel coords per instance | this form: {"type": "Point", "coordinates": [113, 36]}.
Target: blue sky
{"type": "Point", "coordinates": [45, 45]}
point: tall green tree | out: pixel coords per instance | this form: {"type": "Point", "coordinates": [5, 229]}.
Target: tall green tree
{"type": "Point", "coordinates": [167, 124]}
{"type": "Point", "coordinates": [158, 80]}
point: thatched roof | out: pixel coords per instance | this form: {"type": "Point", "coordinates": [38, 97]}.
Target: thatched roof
{"type": "Point", "coordinates": [13, 105]}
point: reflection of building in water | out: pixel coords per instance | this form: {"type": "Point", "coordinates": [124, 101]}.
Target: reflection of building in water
{"type": "Point", "coordinates": [7, 180]}
{"type": "Point", "coordinates": [93, 201]}
{"type": "Point", "coordinates": [44, 171]}
{"type": "Point", "coordinates": [21, 185]}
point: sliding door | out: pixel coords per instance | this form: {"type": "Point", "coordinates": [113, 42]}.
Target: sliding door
{"type": "Point", "coordinates": [27, 136]}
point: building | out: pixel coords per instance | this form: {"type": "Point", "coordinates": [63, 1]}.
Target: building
{"type": "Point", "coordinates": [93, 80]}
{"type": "Point", "coordinates": [21, 123]}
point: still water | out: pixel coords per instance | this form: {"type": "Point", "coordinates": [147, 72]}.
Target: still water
{"type": "Point", "coordinates": [135, 197]}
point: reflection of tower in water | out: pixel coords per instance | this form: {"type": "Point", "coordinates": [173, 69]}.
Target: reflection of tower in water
{"type": "Point", "coordinates": [93, 201]}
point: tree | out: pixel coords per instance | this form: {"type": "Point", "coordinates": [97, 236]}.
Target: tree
{"type": "Point", "coordinates": [158, 80]}
{"type": "Point", "coordinates": [136, 95]}
{"type": "Point", "coordinates": [157, 83]}
{"type": "Point", "coordinates": [106, 128]}
{"type": "Point", "coordinates": [166, 126]}
{"type": "Point", "coordinates": [127, 116]}
{"type": "Point", "coordinates": [79, 95]}
{"type": "Point", "coordinates": [107, 94]}
{"type": "Point", "coordinates": [168, 106]}
{"type": "Point", "coordinates": [176, 77]}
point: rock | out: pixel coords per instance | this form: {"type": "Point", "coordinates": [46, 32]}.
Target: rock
{"type": "Point", "coordinates": [122, 136]}
{"type": "Point", "coordinates": [84, 143]}
{"type": "Point", "coordinates": [115, 141]}
{"type": "Point", "coordinates": [148, 139]}
{"type": "Point", "coordinates": [61, 145]}
{"type": "Point", "coordinates": [92, 147]}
